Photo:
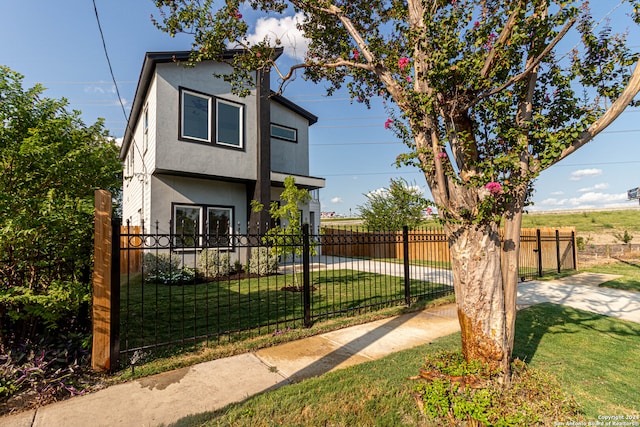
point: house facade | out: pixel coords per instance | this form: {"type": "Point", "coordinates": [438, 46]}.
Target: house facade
{"type": "Point", "coordinates": [195, 155]}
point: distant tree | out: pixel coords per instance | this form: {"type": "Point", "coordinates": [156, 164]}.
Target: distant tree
{"type": "Point", "coordinates": [486, 94]}
{"type": "Point", "coordinates": [50, 165]}
{"type": "Point", "coordinates": [391, 208]}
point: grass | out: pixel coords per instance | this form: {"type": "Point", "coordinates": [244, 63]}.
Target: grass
{"type": "Point", "coordinates": [157, 314]}
{"type": "Point", "coordinates": [593, 358]}
{"type": "Point", "coordinates": [596, 222]}
{"type": "Point", "coordinates": [629, 269]}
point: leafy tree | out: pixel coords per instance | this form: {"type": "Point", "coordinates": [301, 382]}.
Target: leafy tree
{"type": "Point", "coordinates": [50, 164]}
{"type": "Point", "coordinates": [393, 207]}
{"type": "Point", "coordinates": [482, 93]}
{"type": "Point", "coordinates": [285, 238]}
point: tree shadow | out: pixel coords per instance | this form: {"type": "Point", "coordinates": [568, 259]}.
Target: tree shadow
{"type": "Point", "coordinates": [543, 321]}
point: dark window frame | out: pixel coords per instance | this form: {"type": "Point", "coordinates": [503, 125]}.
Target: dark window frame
{"type": "Point", "coordinates": [295, 140]}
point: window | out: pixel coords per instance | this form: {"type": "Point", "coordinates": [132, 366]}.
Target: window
{"type": "Point", "coordinates": [186, 225]}
{"type": "Point", "coordinates": [283, 132]}
{"type": "Point", "coordinates": [219, 227]}
{"type": "Point", "coordinates": [145, 130]}
{"type": "Point", "coordinates": [191, 230]}
{"type": "Point", "coordinates": [228, 123]}
{"type": "Point", "coordinates": [195, 120]}
{"type": "Point", "coordinates": [199, 114]}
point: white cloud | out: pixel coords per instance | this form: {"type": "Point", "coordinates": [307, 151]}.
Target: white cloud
{"type": "Point", "coordinates": [100, 89]}
{"type": "Point", "coordinates": [597, 198]}
{"type": "Point", "coordinates": [584, 173]}
{"type": "Point", "coordinates": [336, 200]}
{"type": "Point", "coordinates": [284, 31]}
{"type": "Point", "coordinates": [557, 193]}
{"type": "Point", "coordinates": [602, 186]}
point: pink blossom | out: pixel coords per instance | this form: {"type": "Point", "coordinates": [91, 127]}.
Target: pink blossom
{"type": "Point", "coordinates": [387, 124]}
{"type": "Point", "coordinates": [356, 54]}
{"type": "Point", "coordinates": [441, 155]}
{"type": "Point", "coordinates": [409, 79]}
{"type": "Point", "coordinates": [403, 62]}
{"type": "Point", "coordinates": [429, 211]}
{"type": "Point", "coordinates": [494, 188]}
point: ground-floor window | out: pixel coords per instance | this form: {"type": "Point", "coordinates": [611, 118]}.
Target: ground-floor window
{"type": "Point", "coordinates": [202, 226]}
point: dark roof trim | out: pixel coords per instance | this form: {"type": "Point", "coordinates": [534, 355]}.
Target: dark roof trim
{"type": "Point", "coordinates": [146, 75]}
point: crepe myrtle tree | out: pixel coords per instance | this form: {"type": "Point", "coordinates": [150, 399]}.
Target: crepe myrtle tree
{"type": "Point", "coordinates": [486, 94]}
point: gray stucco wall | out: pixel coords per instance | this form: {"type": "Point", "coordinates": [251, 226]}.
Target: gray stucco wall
{"type": "Point", "coordinates": [193, 157]}
{"type": "Point", "coordinates": [290, 157]}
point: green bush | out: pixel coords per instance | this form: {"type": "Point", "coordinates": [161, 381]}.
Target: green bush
{"type": "Point", "coordinates": [457, 392]}
{"type": "Point", "coordinates": [165, 269]}
{"type": "Point", "coordinates": [159, 264]}
{"type": "Point", "coordinates": [262, 262]}
{"type": "Point", "coordinates": [213, 263]}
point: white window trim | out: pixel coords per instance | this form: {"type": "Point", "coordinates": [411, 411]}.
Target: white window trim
{"type": "Point", "coordinates": [240, 108]}
{"type": "Point", "coordinates": [145, 129]}
{"type": "Point", "coordinates": [208, 98]}
{"type": "Point", "coordinates": [295, 132]}
{"type": "Point", "coordinates": [202, 210]}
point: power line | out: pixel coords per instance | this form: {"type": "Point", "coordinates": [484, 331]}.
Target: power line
{"type": "Point", "coordinates": [106, 54]}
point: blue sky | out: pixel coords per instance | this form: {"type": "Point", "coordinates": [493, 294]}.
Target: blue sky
{"type": "Point", "coordinates": [58, 44]}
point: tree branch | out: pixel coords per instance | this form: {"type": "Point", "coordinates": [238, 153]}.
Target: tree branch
{"type": "Point", "coordinates": [612, 113]}
{"type": "Point", "coordinates": [528, 69]}
{"type": "Point", "coordinates": [504, 36]}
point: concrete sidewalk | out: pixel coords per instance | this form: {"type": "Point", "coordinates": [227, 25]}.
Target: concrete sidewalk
{"type": "Point", "coordinates": [166, 398]}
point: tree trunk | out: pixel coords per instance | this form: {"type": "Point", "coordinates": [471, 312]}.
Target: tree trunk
{"type": "Point", "coordinates": [478, 283]}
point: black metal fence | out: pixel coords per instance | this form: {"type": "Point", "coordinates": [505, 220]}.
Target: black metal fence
{"type": "Point", "coordinates": [187, 289]}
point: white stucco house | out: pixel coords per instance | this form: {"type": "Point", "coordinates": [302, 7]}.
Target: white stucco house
{"type": "Point", "coordinates": [195, 155]}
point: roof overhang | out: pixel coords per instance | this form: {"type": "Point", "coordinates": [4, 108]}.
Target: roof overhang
{"type": "Point", "coordinates": [308, 182]}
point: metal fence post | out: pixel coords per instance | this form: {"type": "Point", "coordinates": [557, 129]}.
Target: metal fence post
{"type": "Point", "coordinates": [114, 343]}
{"type": "Point", "coordinates": [539, 243]}
{"type": "Point", "coordinates": [573, 250]}
{"type": "Point", "coordinates": [306, 276]}
{"type": "Point", "coordinates": [558, 259]}
{"type": "Point", "coordinates": [405, 257]}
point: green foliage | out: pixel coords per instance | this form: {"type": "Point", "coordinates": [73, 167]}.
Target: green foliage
{"type": "Point", "coordinates": [393, 207]}
{"type": "Point", "coordinates": [166, 269]}
{"type": "Point", "coordinates": [286, 237]}
{"type": "Point", "coordinates": [480, 92]}
{"type": "Point", "coordinates": [50, 165]}
{"type": "Point", "coordinates": [456, 392]}
{"type": "Point", "coordinates": [262, 262]}
{"type": "Point", "coordinates": [623, 237]}
{"type": "Point", "coordinates": [213, 263]}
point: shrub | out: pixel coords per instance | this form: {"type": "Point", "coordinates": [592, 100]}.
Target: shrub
{"type": "Point", "coordinates": [49, 369]}
{"type": "Point", "coordinates": [262, 262]}
{"type": "Point", "coordinates": [457, 392]}
{"type": "Point", "coordinates": [213, 263]}
{"type": "Point", "coordinates": [165, 269]}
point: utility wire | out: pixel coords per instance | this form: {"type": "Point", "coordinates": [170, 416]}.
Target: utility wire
{"type": "Point", "coordinates": [106, 54]}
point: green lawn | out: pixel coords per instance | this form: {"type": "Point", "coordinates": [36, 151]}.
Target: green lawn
{"type": "Point", "coordinates": [153, 314]}
{"type": "Point", "coordinates": [629, 269]}
{"type": "Point", "coordinates": [594, 359]}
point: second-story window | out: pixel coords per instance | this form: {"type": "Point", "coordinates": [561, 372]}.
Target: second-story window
{"type": "Point", "coordinates": [283, 132]}
{"type": "Point", "coordinates": [195, 119]}
{"type": "Point", "coordinates": [204, 118]}
{"type": "Point", "coordinates": [228, 123]}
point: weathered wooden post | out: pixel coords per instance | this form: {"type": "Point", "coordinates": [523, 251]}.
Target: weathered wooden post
{"type": "Point", "coordinates": [104, 353]}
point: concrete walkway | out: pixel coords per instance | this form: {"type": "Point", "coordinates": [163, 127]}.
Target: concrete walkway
{"type": "Point", "coordinates": [166, 398]}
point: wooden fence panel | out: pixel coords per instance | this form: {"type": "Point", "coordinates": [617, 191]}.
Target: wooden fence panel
{"type": "Point", "coordinates": [130, 259]}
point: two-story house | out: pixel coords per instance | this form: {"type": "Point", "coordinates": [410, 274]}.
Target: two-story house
{"type": "Point", "coordinates": [196, 155]}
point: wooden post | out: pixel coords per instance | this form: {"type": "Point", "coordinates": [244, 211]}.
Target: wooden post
{"type": "Point", "coordinates": [101, 354]}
